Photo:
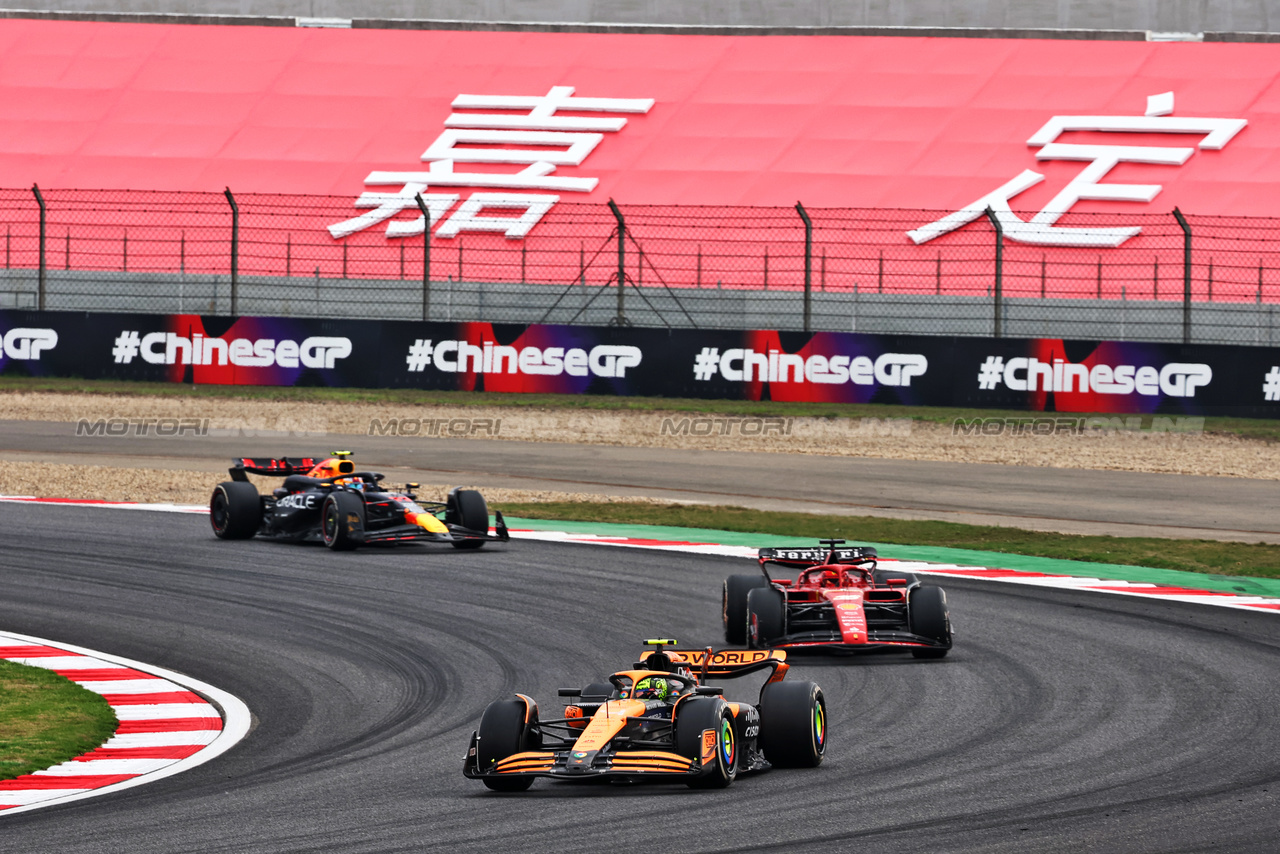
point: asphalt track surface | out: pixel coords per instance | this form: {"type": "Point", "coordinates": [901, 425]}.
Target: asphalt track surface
{"type": "Point", "coordinates": [1069, 500]}
{"type": "Point", "coordinates": [1061, 722]}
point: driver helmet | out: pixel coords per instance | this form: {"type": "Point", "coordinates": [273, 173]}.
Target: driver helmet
{"type": "Point", "coordinates": [652, 688]}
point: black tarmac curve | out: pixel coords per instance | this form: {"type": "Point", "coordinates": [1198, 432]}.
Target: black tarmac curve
{"type": "Point", "coordinates": [1060, 722]}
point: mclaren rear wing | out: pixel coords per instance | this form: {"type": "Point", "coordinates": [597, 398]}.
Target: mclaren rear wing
{"type": "Point", "coordinates": [730, 663]}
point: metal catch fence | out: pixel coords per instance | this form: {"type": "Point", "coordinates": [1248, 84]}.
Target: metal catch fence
{"type": "Point", "coordinates": [1153, 277]}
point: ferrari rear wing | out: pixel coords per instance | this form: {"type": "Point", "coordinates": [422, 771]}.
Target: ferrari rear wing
{"type": "Point", "coordinates": [282, 467]}
{"type": "Point", "coordinates": [815, 556]}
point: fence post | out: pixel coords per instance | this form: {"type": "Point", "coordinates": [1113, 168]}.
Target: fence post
{"type": "Point", "coordinates": [621, 319]}
{"type": "Point", "coordinates": [1186, 275]}
{"type": "Point", "coordinates": [808, 264]}
{"type": "Point", "coordinates": [426, 256]}
{"type": "Point", "coordinates": [235, 253]}
{"type": "Point", "coordinates": [35, 188]}
{"type": "Point", "coordinates": [999, 291]}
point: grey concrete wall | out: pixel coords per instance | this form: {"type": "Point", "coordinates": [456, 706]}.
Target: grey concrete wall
{"type": "Point", "coordinates": [1133, 320]}
{"type": "Point", "coordinates": [1195, 16]}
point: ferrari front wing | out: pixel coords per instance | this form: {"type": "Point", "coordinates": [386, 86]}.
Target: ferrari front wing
{"type": "Point", "coordinates": [875, 639]}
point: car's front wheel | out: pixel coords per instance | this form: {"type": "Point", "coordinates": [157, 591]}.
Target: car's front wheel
{"type": "Point", "coordinates": [766, 616]}
{"type": "Point", "coordinates": [694, 717]}
{"type": "Point", "coordinates": [928, 616]}
{"type": "Point", "coordinates": [733, 605]}
{"type": "Point", "coordinates": [504, 731]}
{"type": "Point", "coordinates": [467, 507]}
{"type": "Point", "coordinates": [342, 521]}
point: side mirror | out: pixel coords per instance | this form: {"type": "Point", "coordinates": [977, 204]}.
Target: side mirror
{"type": "Point", "coordinates": [570, 692]}
{"type": "Point", "coordinates": [708, 691]}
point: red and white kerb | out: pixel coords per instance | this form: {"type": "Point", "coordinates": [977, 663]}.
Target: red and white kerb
{"type": "Point", "coordinates": [165, 726]}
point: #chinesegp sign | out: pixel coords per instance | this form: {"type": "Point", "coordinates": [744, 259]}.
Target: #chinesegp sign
{"type": "Point", "coordinates": [1029, 374]}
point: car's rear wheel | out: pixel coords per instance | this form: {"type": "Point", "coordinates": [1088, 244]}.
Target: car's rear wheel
{"type": "Point", "coordinates": [693, 718]}
{"type": "Point", "coordinates": [467, 507]}
{"type": "Point", "coordinates": [927, 615]}
{"type": "Point", "coordinates": [235, 510]}
{"type": "Point", "coordinates": [505, 732]}
{"type": "Point", "coordinates": [342, 521]}
{"type": "Point", "coordinates": [793, 724]}
{"type": "Point", "coordinates": [766, 616]}
{"type": "Point", "coordinates": [733, 605]}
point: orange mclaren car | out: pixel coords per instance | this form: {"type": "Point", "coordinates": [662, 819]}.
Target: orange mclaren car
{"type": "Point", "coordinates": [657, 721]}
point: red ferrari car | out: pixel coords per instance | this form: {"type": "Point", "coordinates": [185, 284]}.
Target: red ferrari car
{"type": "Point", "coordinates": [838, 599]}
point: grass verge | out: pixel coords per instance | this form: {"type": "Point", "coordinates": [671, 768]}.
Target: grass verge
{"type": "Point", "coordinates": [1250, 428]}
{"type": "Point", "coordinates": [1258, 560]}
{"type": "Point", "coordinates": [46, 719]}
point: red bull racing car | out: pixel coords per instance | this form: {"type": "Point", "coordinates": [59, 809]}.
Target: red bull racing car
{"type": "Point", "coordinates": [328, 499]}
{"type": "Point", "coordinates": [658, 721]}
{"type": "Point", "coordinates": [839, 599]}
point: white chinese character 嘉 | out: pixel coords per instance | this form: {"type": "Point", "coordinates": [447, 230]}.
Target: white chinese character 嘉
{"type": "Point", "coordinates": [536, 136]}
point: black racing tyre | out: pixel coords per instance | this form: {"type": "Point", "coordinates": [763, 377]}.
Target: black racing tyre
{"type": "Point", "coordinates": [927, 615]}
{"type": "Point", "coordinates": [733, 605]}
{"type": "Point", "coordinates": [793, 724]}
{"type": "Point", "coordinates": [235, 510]}
{"type": "Point", "coordinates": [692, 718]}
{"type": "Point", "coordinates": [466, 507]}
{"type": "Point", "coordinates": [342, 521]}
{"type": "Point", "coordinates": [766, 616]}
{"type": "Point", "coordinates": [503, 732]}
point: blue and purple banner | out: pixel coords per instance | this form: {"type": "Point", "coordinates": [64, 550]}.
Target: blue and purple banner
{"type": "Point", "coordinates": [1036, 374]}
